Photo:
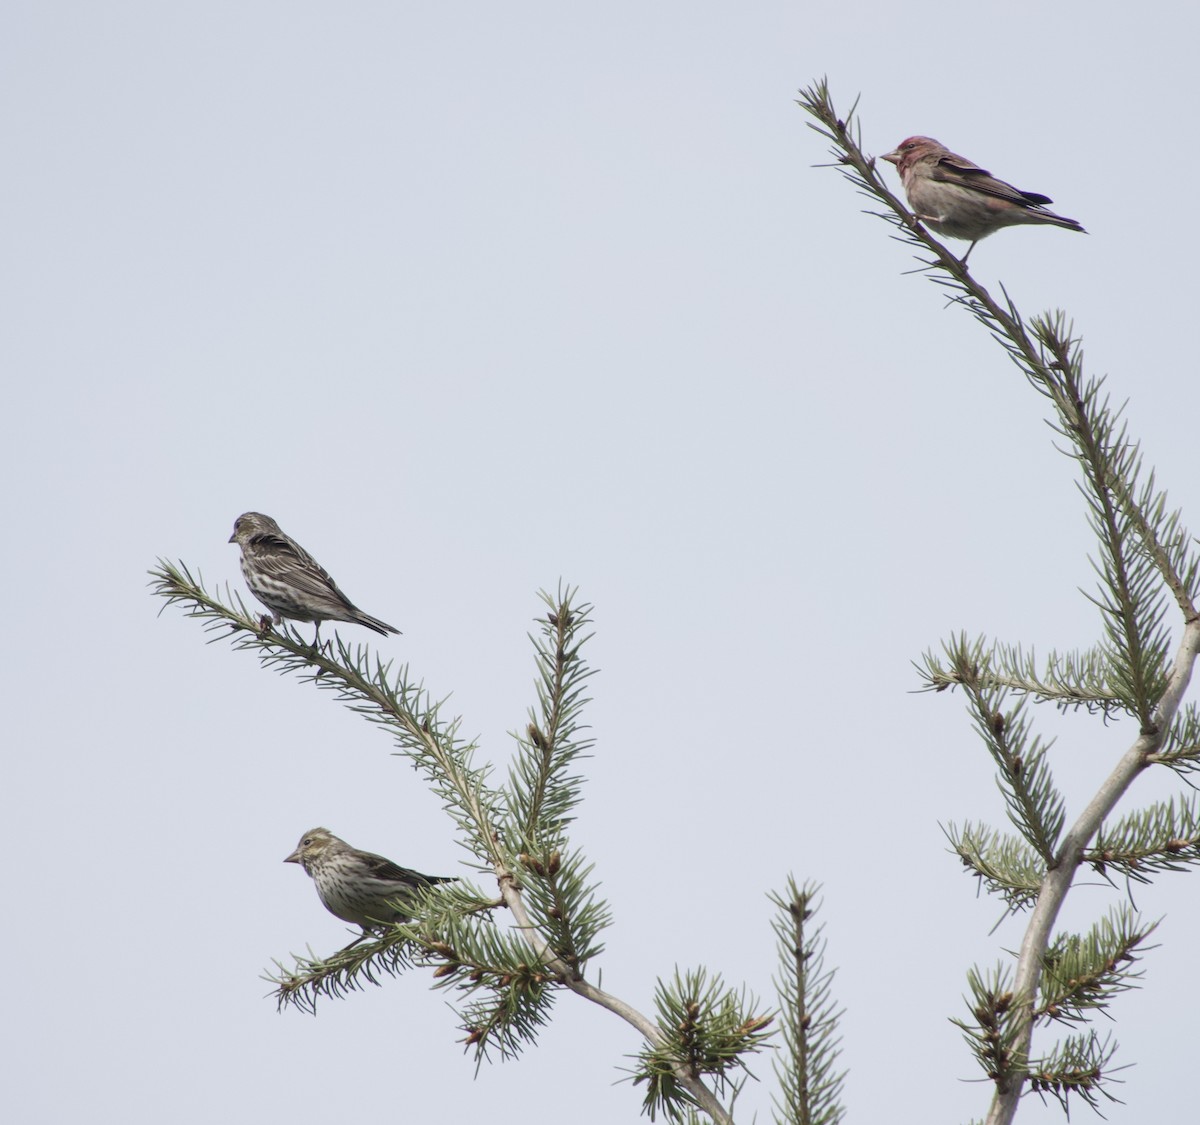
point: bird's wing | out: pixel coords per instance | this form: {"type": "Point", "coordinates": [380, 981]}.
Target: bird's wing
{"type": "Point", "coordinates": [958, 170]}
{"type": "Point", "coordinates": [381, 868]}
{"type": "Point", "coordinates": [284, 558]}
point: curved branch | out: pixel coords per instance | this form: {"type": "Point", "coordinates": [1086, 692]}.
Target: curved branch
{"type": "Point", "coordinates": [571, 979]}
{"type": "Point", "coordinates": [1058, 880]}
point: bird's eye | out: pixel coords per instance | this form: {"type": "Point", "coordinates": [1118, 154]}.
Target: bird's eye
{"type": "Point", "coordinates": [306, 842]}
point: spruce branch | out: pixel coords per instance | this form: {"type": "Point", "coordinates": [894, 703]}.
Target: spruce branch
{"type": "Point", "coordinates": [510, 1016]}
{"type": "Point", "coordinates": [440, 914]}
{"type": "Point", "coordinates": [810, 1090]}
{"type": "Point", "coordinates": [366, 685]}
{"type": "Point", "coordinates": [1169, 543]}
{"type": "Point", "coordinates": [1069, 681]}
{"type": "Point", "coordinates": [1078, 1065]}
{"type": "Point", "coordinates": [1059, 877]}
{"type": "Point", "coordinates": [1143, 551]}
{"type": "Point", "coordinates": [1161, 838]}
{"type": "Point", "coordinates": [1003, 864]}
{"type": "Point", "coordinates": [1129, 597]}
{"type": "Point", "coordinates": [335, 976]}
{"type": "Point", "coordinates": [1082, 973]}
{"type": "Point", "coordinates": [1131, 520]}
{"type": "Point", "coordinates": [565, 906]}
{"type": "Point", "coordinates": [509, 978]}
{"type": "Point", "coordinates": [1181, 743]}
{"type": "Point", "coordinates": [503, 995]}
{"type": "Point", "coordinates": [1035, 806]}
{"type": "Point", "coordinates": [541, 790]}
{"type": "Point", "coordinates": [687, 1084]}
{"type": "Point", "coordinates": [992, 1034]}
{"type": "Point", "coordinates": [704, 1029]}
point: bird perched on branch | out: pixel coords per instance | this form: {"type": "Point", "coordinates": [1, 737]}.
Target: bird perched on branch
{"type": "Point", "coordinates": [358, 887]}
{"type": "Point", "coordinates": [289, 581]}
{"type": "Point", "coordinates": [958, 199]}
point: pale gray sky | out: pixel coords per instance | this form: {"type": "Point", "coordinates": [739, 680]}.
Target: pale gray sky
{"type": "Point", "coordinates": [473, 297]}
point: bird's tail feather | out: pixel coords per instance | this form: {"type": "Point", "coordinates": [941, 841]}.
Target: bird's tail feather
{"type": "Point", "coordinates": [374, 623]}
{"type": "Point", "coordinates": [1060, 220]}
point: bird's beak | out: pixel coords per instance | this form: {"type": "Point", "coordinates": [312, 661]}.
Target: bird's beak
{"type": "Point", "coordinates": [233, 537]}
{"type": "Point", "coordinates": [294, 857]}
{"type": "Point", "coordinates": [890, 157]}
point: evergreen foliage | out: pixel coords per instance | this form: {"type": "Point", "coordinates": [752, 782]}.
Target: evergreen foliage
{"type": "Point", "coordinates": [503, 978]}
{"type": "Point", "coordinates": [505, 955]}
{"type": "Point", "coordinates": [1146, 569]}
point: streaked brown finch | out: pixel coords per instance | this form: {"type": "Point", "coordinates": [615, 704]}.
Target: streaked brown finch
{"type": "Point", "coordinates": [289, 581]}
{"type": "Point", "coordinates": [358, 887]}
{"type": "Point", "coordinates": [958, 199]}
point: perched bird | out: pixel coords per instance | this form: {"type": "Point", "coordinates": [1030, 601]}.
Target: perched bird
{"type": "Point", "coordinates": [959, 199]}
{"type": "Point", "coordinates": [358, 887]}
{"type": "Point", "coordinates": [289, 581]}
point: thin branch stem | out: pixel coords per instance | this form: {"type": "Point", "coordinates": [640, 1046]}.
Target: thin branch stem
{"type": "Point", "coordinates": [515, 901]}
{"type": "Point", "coordinates": [1058, 880]}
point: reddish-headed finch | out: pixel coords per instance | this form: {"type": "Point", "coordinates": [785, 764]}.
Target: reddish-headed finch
{"type": "Point", "coordinates": [958, 199]}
